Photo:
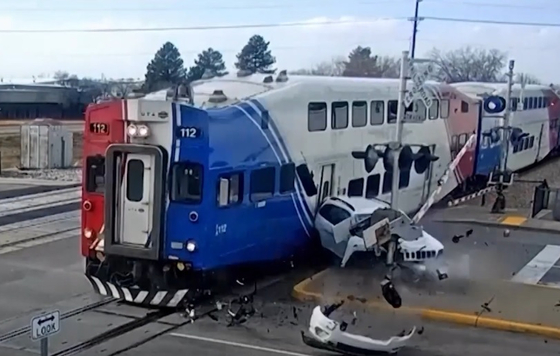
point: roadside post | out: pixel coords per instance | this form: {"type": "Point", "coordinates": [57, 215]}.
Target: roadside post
{"type": "Point", "coordinates": [43, 326]}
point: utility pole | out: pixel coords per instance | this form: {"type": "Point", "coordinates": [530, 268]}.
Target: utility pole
{"type": "Point", "coordinates": [507, 113]}
{"type": "Point", "coordinates": [414, 28]}
{"type": "Point", "coordinates": [399, 132]}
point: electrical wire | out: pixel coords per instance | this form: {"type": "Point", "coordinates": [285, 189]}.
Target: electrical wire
{"type": "Point", "coordinates": [491, 22]}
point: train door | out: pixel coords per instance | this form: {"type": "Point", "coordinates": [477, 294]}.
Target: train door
{"type": "Point", "coordinates": [325, 183]}
{"type": "Point", "coordinates": [428, 178]}
{"type": "Point", "coordinates": [136, 200]}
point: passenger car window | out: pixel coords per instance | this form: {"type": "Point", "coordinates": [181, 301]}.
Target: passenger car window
{"type": "Point", "coordinates": [235, 192]}
{"type": "Point", "coordinates": [287, 178]}
{"type": "Point", "coordinates": [356, 187]}
{"type": "Point", "coordinates": [334, 214]}
{"type": "Point", "coordinates": [316, 117]}
{"type": "Point", "coordinates": [434, 110]}
{"type": "Point", "coordinates": [444, 108]}
{"type": "Point", "coordinates": [392, 109]}
{"type": "Point", "coordinates": [186, 182]}
{"type": "Point", "coordinates": [359, 113]}
{"type": "Point", "coordinates": [377, 112]}
{"type": "Point", "coordinates": [372, 186]}
{"type": "Point", "coordinates": [339, 115]}
{"type": "Point", "coordinates": [262, 183]}
{"type": "Point", "coordinates": [464, 107]}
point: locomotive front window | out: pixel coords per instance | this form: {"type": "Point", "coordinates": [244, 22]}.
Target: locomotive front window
{"type": "Point", "coordinates": [186, 183]}
{"type": "Point", "coordinates": [135, 180]}
{"type": "Point", "coordinates": [95, 174]}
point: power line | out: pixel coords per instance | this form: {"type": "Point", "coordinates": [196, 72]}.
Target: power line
{"type": "Point", "coordinates": [491, 22]}
{"type": "Point", "coordinates": [199, 28]}
{"type": "Point", "coordinates": [205, 8]}
{"type": "Point", "coordinates": [497, 5]}
{"type": "Point", "coordinates": [275, 25]}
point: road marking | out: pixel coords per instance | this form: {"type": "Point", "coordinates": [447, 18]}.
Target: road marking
{"type": "Point", "coordinates": [239, 344]}
{"type": "Point", "coordinates": [514, 220]}
{"type": "Point", "coordinates": [536, 269]}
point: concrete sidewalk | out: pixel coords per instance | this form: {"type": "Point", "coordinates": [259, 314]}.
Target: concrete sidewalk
{"type": "Point", "coordinates": [512, 218]}
{"type": "Point", "coordinates": [487, 304]}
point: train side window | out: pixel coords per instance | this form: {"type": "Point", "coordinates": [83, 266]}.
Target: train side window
{"type": "Point", "coordinates": [262, 183]}
{"type": "Point", "coordinates": [513, 104]}
{"type": "Point", "coordinates": [433, 113]}
{"type": "Point", "coordinates": [541, 102]}
{"type": "Point", "coordinates": [392, 108]}
{"type": "Point", "coordinates": [464, 107]}
{"type": "Point", "coordinates": [372, 186]}
{"type": "Point", "coordinates": [95, 174]}
{"type": "Point", "coordinates": [404, 179]}
{"type": "Point", "coordinates": [387, 182]}
{"type": "Point", "coordinates": [516, 147]}
{"type": "Point", "coordinates": [377, 112]}
{"type": "Point", "coordinates": [287, 178]}
{"type": "Point", "coordinates": [339, 115]}
{"type": "Point", "coordinates": [316, 117]}
{"type": "Point", "coordinates": [356, 187]}
{"type": "Point", "coordinates": [359, 114]}
{"type": "Point", "coordinates": [531, 141]}
{"type": "Point", "coordinates": [454, 143]}
{"type": "Point", "coordinates": [234, 189]}
{"type": "Point", "coordinates": [419, 108]}
{"type": "Point", "coordinates": [462, 140]}
{"type": "Point", "coordinates": [526, 143]}
{"type": "Point", "coordinates": [525, 103]}
{"type": "Point", "coordinates": [186, 182]}
{"type": "Point", "coordinates": [444, 107]}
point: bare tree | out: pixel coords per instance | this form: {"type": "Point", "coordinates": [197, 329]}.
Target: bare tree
{"type": "Point", "coordinates": [61, 75]}
{"type": "Point", "coordinates": [388, 67]}
{"type": "Point", "coordinates": [469, 64]}
{"type": "Point", "coordinates": [525, 78]}
{"type": "Point", "coordinates": [332, 68]}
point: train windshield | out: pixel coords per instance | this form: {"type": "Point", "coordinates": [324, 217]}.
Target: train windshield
{"type": "Point", "coordinates": [186, 182]}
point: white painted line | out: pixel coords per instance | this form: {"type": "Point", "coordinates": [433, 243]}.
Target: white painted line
{"type": "Point", "coordinates": [35, 204]}
{"type": "Point", "coordinates": [535, 270]}
{"type": "Point", "coordinates": [45, 220]}
{"type": "Point", "coordinates": [239, 344]}
{"type": "Point", "coordinates": [39, 195]}
{"type": "Point", "coordinates": [65, 235]}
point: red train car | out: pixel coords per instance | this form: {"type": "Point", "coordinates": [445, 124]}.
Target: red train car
{"type": "Point", "coordinates": [104, 125]}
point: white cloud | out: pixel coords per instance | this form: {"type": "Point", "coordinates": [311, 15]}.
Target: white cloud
{"type": "Point", "coordinates": [127, 54]}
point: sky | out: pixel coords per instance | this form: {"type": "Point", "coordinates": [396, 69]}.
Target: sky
{"type": "Point", "coordinates": [379, 24]}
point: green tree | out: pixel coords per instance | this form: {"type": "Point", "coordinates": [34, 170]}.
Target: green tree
{"type": "Point", "coordinates": [210, 62]}
{"type": "Point", "coordinates": [255, 57]}
{"type": "Point", "coordinates": [361, 63]}
{"type": "Point", "coordinates": [165, 70]}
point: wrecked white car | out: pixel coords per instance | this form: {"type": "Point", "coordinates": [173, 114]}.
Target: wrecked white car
{"type": "Point", "coordinates": [327, 334]}
{"type": "Point", "coordinates": [350, 224]}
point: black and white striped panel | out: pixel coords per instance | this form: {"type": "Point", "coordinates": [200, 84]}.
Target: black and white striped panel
{"type": "Point", "coordinates": [471, 196]}
{"type": "Point", "coordinates": [164, 299]}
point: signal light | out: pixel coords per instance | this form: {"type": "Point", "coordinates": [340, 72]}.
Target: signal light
{"type": "Point", "coordinates": [87, 206]}
{"type": "Point", "coordinates": [407, 158]}
{"type": "Point", "coordinates": [88, 233]}
{"type": "Point", "coordinates": [141, 131]}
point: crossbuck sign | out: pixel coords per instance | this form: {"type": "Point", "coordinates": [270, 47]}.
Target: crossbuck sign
{"type": "Point", "coordinates": [419, 78]}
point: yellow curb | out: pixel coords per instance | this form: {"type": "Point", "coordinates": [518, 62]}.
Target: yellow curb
{"type": "Point", "coordinates": [301, 294]}
{"type": "Point", "coordinates": [513, 220]}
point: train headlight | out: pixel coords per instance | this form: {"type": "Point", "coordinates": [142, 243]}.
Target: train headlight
{"type": "Point", "coordinates": [191, 246]}
{"type": "Point", "coordinates": [88, 233]}
{"type": "Point", "coordinates": [141, 131]}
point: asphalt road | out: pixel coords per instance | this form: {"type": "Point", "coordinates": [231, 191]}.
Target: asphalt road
{"type": "Point", "coordinates": [49, 276]}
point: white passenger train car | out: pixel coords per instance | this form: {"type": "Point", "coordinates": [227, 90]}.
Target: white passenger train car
{"type": "Point", "coordinates": [322, 120]}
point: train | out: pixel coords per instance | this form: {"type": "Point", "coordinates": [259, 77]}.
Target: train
{"type": "Point", "coordinates": [182, 189]}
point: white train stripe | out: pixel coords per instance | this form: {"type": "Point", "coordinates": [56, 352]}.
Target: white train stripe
{"type": "Point", "coordinates": [300, 196]}
{"type": "Point", "coordinates": [100, 287]}
{"type": "Point", "coordinates": [158, 298]}
{"type": "Point", "coordinates": [141, 297]}
{"type": "Point", "coordinates": [114, 290]}
{"type": "Point", "coordinates": [280, 161]}
{"type": "Point", "coordinates": [539, 266]}
{"type": "Point", "coordinates": [177, 298]}
{"type": "Point", "coordinates": [127, 295]}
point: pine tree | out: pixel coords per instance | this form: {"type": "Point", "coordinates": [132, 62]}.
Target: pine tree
{"type": "Point", "coordinates": [166, 69]}
{"type": "Point", "coordinates": [255, 57]}
{"type": "Point", "coordinates": [361, 63]}
{"type": "Point", "coordinates": [210, 62]}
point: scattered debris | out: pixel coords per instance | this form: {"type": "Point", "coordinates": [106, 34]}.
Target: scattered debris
{"type": "Point", "coordinates": [457, 238]}
{"type": "Point", "coordinates": [506, 233]}
{"type": "Point", "coordinates": [390, 293]}
{"type": "Point", "coordinates": [330, 335]}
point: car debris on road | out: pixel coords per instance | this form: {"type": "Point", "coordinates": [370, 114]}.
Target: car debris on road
{"type": "Point", "coordinates": [327, 334]}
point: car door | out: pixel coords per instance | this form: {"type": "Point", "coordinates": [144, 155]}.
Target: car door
{"type": "Point", "coordinates": [332, 224]}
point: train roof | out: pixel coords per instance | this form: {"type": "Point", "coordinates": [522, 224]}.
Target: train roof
{"type": "Point", "coordinates": [232, 87]}
{"type": "Point", "coordinates": [475, 89]}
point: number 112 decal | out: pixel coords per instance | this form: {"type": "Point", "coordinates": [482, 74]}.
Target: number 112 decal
{"type": "Point", "coordinates": [188, 132]}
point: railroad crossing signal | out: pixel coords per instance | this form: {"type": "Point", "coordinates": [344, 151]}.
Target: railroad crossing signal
{"type": "Point", "coordinates": [43, 326]}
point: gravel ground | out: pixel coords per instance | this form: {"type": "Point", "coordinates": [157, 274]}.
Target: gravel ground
{"type": "Point", "coordinates": [61, 175]}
